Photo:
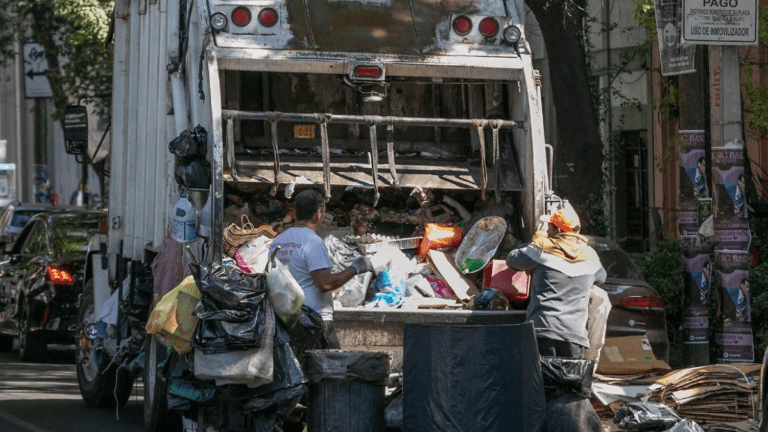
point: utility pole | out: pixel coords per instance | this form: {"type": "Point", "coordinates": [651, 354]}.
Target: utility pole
{"type": "Point", "coordinates": [694, 255]}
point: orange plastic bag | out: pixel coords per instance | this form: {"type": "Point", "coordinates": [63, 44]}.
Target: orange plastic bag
{"type": "Point", "coordinates": [438, 236]}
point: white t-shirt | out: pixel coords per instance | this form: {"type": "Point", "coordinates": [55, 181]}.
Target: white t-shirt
{"type": "Point", "coordinates": [304, 252]}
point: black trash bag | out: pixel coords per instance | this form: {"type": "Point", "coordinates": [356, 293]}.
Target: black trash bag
{"type": "Point", "coordinates": [189, 145]}
{"type": "Point", "coordinates": [136, 309]}
{"type": "Point", "coordinates": [393, 413]}
{"type": "Point", "coordinates": [645, 416]}
{"type": "Point", "coordinates": [563, 375]}
{"type": "Point", "coordinates": [360, 366]}
{"type": "Point", "coordinates": [307, 331]}
{"type": "Point", "coordinates": [570, 412]}
{"type": "Point", "coordinates": [232, 309]}
{"type": "Point", "coordinates": [193, 174]}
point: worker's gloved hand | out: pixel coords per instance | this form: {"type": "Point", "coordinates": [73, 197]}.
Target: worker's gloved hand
{"type": "Point", "coordinates": [362, 264]}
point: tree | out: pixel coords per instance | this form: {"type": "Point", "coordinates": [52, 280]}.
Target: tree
{"type": "Point", "coordinates": [73, 34]}
{"type": "Point", "coordinates": [579, 154]}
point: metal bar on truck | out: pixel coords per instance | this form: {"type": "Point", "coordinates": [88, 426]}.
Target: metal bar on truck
{"type": "Point", "coordinates": [358, 119]}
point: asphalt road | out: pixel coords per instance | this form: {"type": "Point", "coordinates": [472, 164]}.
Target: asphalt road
{"type": "Point", "coordinates": [44, 397]}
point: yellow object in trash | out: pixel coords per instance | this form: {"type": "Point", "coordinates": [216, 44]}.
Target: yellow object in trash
{"type": "Point", "coordinates": [173, 318]}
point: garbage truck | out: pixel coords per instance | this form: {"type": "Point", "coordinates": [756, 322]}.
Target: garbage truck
{"type": "Point", "coordinates": [382, 97]}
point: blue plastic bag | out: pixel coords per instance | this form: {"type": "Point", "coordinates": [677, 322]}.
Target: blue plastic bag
{"type": "Point", "coordinates": [390, 289]}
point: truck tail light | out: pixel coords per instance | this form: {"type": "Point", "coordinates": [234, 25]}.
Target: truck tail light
{"type": "Point", "coordinates": [58, 276]}
{"type": "Point", "coordinates": [462, 25]}
{"type": "Point", "coordinates": [268, 17]}
{"type": "Point", "coordinates": [241, 16]}
{"type": "Point", "coordinates": [489, 27]}
{"type": "Point", "coordinates": [644, 305]}
{"type": "Point", "coordinates": [367, 71]}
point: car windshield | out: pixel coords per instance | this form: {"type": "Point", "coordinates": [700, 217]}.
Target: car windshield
{"type": "Point", "coordinates": [72, 232]}
{"type": "Point", "coordinates": [616, 263]}
{"type": "Point", "coordinates": [20, 218]}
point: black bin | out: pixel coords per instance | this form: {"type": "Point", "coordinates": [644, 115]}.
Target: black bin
{"type": "Point", "coordinates": [346, 391]}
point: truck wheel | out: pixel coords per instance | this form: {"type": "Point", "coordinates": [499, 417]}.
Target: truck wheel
{"type": "Point", "coordinates": [157, 417]}
{"type": "Point", "coordinates": [32, 346]}
{"type": "Point", "coordinates": [101, 385]}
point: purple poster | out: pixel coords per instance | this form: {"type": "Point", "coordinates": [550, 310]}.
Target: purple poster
{"type": "Point", "coordinates": [695, 325]}
{"type": "Point", "coordinates": [730, 198]}
{"type": "Point", "coordinates": [693, 178]}
{"type": "Point", "coordinates": [697, 273]}
{"type": "Point", "coordinates": [734, 338]}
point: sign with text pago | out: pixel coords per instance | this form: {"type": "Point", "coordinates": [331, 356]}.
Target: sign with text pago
{"type": "Point", "coordinates": [720, 22]}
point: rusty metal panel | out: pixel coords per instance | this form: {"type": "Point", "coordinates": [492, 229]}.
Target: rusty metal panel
{"type": "Point", "coordinates": [369, 26]}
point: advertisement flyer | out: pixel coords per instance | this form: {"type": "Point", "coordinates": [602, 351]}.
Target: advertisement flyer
{"type": "Point", "coordinates": [693, 179]}
{"type": "Point", "coordinates": [734, 336]}
{"type": "Point", "coordinates": [697, 273]}
{"type": "Point", "coordinates": [695, 325]}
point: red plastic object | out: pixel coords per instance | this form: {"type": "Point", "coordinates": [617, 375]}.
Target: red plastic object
{"type": "Point", "coordinates": [513, 284]}
{"type": "Point", "coordinates": [462, 25]}
{"type": "Point", "coordinates": [241, 16]}
{"type": "Point", "coordinates": [268, 17]}
{"type": "Point", "coordinates": [489, 27]}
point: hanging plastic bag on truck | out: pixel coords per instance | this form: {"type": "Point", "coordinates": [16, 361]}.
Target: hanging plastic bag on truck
{"type": "Point", "coordinates": [190, 144]}
{"type": "Point", "coordinates": [285, 294]}
{"type": "Point", "coordinates": [173, 318]}
{"type": "Point", "coordinates": [195, 174]}
{"type": "Point", "coordinates": [252, 367]}
{"type": "Point", "coordinates": [232, 309]}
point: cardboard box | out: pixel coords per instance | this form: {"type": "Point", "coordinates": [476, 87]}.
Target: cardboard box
{"type": "Point", "coordinates": [513, 284]}
{"type": "Point", "coordinates": [461, 285]}
{"type": "Point", "coordinates": [628, 355]}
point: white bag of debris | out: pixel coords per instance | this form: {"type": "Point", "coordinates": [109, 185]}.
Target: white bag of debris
{"type": "Point", "coordinates": [285, 294]}
{"type": "Point", "coordinates": [352, 294]}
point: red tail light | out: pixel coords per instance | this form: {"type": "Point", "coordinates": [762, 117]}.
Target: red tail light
{"type": "Point", "coordinates": [489, 27]}
{"type": "Point", "coordinates": [103, 227]}
{"type": "Point", "coordinates": [268, 17]}
{"type": "Point", "coordinates": [462, 25]}
{"type": "Point", "coordinates": [644, 305]}
{"type": "Point", "coordinates": [58, 276]}
{"type": "Point", "coordinates": [241, 16]}
{"type": "Point", "coordinates": [368, 71]}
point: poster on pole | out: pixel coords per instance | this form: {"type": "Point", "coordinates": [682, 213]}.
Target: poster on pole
{"type": "Point", "coordinates": [734, 335]}
{"type": "Point", "coordinates": [676, 55]}
{"type": "Point", "coordinates": [693, 180]}
{"type": "Point", "coordinates": [720, 22]}
{"type": "Point", "coordinates": [730, 199]}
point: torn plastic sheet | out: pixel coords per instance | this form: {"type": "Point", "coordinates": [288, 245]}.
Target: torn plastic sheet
{"type": "Point", "coordinates": [108, 309]}
{"type": "Point", "coordinates": [646, 416]}
{"type": "Point", "coordinates": [290, 187]}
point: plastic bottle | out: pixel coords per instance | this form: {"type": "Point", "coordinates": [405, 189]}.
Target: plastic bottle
{"type": "Point", "coordinates": [184, 221]}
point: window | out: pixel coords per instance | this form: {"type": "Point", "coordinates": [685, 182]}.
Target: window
{"type": "Point", "coordinates": [36, 240]}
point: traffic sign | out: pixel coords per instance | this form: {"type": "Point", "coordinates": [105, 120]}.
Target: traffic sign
{"type": "Point", "coordinates": [36, 84]}
{"type": "Point", "coordinates": [720, 22]}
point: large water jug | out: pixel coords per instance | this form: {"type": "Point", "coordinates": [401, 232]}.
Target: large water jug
{"type": "Point", "coordinates": [184, 221]}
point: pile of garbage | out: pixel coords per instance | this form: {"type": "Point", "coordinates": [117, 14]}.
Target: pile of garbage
{"type": "Point", "coordinates": [721, 397]}
{"type": "Point", "coordinates": [435, 255]}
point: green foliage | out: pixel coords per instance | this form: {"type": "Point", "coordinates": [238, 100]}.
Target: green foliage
{"type": "Point", "coordinates": [661, 269]}
{"type": "Point", "coordinates": [645, 15]}
{"type": "Point", "coordinates": [73, 33]}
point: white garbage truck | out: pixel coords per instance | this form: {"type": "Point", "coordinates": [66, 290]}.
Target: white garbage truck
{"type": "Point", "coordinates": [384, 96]}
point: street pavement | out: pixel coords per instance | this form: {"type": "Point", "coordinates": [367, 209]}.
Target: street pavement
{"type": "Point", "coordinates": [44, 397]}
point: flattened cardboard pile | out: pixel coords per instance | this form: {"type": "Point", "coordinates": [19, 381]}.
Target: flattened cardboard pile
{"type": "Point", "coordinates": [711, 394]}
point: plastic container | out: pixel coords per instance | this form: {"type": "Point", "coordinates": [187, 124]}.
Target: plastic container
{"type": "Point", "coordinates": [346, 391]}
{"type": "Point", "coordinates": [184, 221]}
{"type": "Point", "coordinates": [480, 244]}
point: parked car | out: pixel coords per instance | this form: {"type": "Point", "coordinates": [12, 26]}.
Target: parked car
{"type": "Point", "coordinates": [14, 216]}
{"type": "Point", "coordinates": [636, 308]}
{"type": "Point", "coordinates": [41, 281]}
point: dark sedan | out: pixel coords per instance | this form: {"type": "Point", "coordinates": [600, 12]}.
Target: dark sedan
{"type": "Point", "coordinates": [636, 308]}
{"type": "Point", "coordinates": [41, 282]}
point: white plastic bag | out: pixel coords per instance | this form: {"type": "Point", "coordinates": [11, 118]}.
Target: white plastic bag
{"type": "Point", "coordinates": [254, 255]}
{"type": "Point", "coordinates": [353, 292]}
{"type": "Point", "coordinates": [285, 294]}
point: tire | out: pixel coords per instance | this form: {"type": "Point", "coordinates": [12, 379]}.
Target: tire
{"type": "Point", "coordinates": [101, 385]}
{"type": "Point", "coordinates": [6, 343]}
{"type": "Point", "coordinates": [32, 345]}
{"type": "Point", "coordinates": [157, 416]}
